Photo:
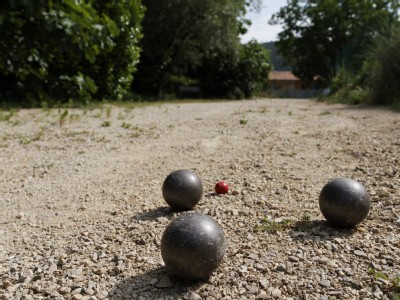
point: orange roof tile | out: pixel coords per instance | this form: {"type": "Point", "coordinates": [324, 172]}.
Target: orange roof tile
{"type": "Point", "coordinates": [282, 75]}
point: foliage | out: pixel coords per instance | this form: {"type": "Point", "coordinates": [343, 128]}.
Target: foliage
{"type": "Point", "coordinates": [394, 288]}
{"type": "Point", "coordinates": [193, 33]}
{"type": "Point", "coordinates": [376, 81]}
{"type": "Point", "coordinates": [62, 50]}
{"type": "Point", "coordinates": [270, 226]}
{"type": "Point", "coordinates": [346, 87]}
{"type": "Point", "coordinates": [236, 77]}
{"type": "Point", "coordinates": [382, 68]}
{"type": "Point", "coordinates": [318, 36]}
{"type": "Point", "coordinates": [277, 61]}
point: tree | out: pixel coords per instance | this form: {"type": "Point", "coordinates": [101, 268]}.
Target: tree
{"type": "Point", "coordinates": [318, 36]}
{"type": "Point", "coordinates": [236, 77]}
{"type": "Point", "coordinates": [62, 50]}
{"type": "Point", "coordinates": [179, 34]}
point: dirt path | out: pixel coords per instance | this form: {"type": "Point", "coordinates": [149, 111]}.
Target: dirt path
{"type": "Point", "coordinates": [82, 210]}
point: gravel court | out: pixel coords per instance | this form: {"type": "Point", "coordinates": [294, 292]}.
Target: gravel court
{"type": "Point", "coordinates": [83, 213]}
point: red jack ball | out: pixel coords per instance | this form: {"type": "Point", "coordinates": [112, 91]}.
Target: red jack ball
{"type": "Point", "coordinates": [221, 187]}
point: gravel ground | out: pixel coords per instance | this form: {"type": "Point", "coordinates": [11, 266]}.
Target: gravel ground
{"type": "Point", "coordinates": [82, 211]}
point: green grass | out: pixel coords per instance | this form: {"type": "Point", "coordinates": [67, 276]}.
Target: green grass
{"type": "Point", "coordinates": [106, 124]}
{"type": "Point", "coordinates": [63, 116]}
{"type": "Point", "coordinates": [324, 113]}
{"type": "Point", "coordinates": [6, 116]}
{"type": "Point", "coordinates": [243, 122]}
{"type": "Point", "coordinates": [394, 288]}
{"type": "Point", "coordinates": [126, 125]}
{"type": "Point", "coordinates": [270, 226]}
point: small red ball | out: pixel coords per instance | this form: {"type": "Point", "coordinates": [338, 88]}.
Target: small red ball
{"type": "Point", "coordinates": [221, 187]}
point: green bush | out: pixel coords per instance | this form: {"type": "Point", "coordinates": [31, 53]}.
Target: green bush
{"type": "Point", "coordinates": [347, 87]}
{"type": "Point", "coordinates": [377, 81]}
{"type": "Point", "coordinates": [71, 50]}
{"type": "Point", "coordinates": [382, 68]}
{"type": "Point", "coordinates": [236, 77]}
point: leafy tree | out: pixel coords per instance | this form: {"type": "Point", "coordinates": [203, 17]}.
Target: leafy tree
{"type": "Point", "coordinates": [179, 34]}
{"type": "Point", "coordinates": [62, 50]}
{"type": "Point", "coordinates": [381, 68]}
{"type": "Point", "coordinates": [227, 76]}
{"type": "Point", "coordinates": [318, 36]}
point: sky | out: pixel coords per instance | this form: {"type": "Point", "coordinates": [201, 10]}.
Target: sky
{"type": "Point", "coordinates": [260, 30]}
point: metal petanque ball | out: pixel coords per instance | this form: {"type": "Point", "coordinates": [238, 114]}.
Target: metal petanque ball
{"type": "Point", "coordinates": [182, 189]}
{"type": "Point", "coordinates": [193, 246]}
{"type": "Point", "coordinates": [344, 202]}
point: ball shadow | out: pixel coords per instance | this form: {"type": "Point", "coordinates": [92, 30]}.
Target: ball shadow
{"type": "Point", "coordinates": [146, 285]}
{"type": "Point", "coordinates": [153, 214]}
{"type": "Point", "coordinates": [309, 230]}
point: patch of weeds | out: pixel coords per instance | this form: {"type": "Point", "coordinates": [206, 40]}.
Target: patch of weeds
{"type": "Point", "coordinates": [74, 117]}
{"type": "Point", "coordinates": [134, 135]}
{"type": "Point", "coordinates": [394, 287]}
{"type": "Point", "coordinates": [324, 113]}
{"type": "Point", "coordinates": [63, 116]}
{"type": "Point", "coordinates": [304, 224]}
{"type": "Point", "coordinates": [39, 135]}
{"type": "Point", "coordinates": [126, 125]}
{"type": "Point", "coordinates": [103, 139]}
{"type": "Point", "coordinates": [99, 114]}
{"type": "Point", "coordinates": [263, 110]}
{"type": "Point", "coordinates": [296, 132]}
{"type": "Point", "coordinates": [243, 121]}
{"type": "Point", "coordinates": [106, 124]}
{"type": "Point", "coordinates": [289, 154]}
{"type": "Point", "coordinates": [3, 143]}
{"type": "Point", "coordinates": [26, 141]}
{"type": "Point", "coordinates": [136, 132]}
{"type": "Point", "coordinates": [270, 226]}
{"type": "Point", "coordinates": [290, 113]}
{"type": "Point", "coordinates": [108, 112]}
{"type": "Point", "coordinates": [5, 117]}
{"type": "Point", "coordinates": [76, 133]}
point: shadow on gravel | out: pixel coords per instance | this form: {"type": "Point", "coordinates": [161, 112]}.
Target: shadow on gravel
{"type": "Point", "coordinates": [146, 286]}
{"type": "Point", "coordinates": [154, 214]}
{"type": "Point", "coordinates": [309, 230]}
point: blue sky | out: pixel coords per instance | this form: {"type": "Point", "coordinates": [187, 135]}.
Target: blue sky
{"type": "Point", "coordinates": [260, 30]}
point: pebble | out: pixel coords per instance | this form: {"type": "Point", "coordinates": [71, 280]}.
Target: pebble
{"type": "Point", "coordinates": [164, 282]}
{"type": "Point", "coordinates": [325, 283]}
{"type": "Point", "coordinates": [276, 293]}
{"type": "Point", "coordinates": [359, 253]}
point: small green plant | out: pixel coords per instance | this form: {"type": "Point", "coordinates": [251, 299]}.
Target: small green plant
{"type": "Point", "coordinates": [324, 113]}
{"type": "Point", "coordinates": [5, 117]}
{"type": "Point", "coordinates": [74, 117]}
{"type": "Point", "coordinates": [108, 112]}
{"type": "Point", "coordinates": [394, 288]}
{"type": "Point", "coordinates": [243, 122]}
{"type": "Point", "coordinates": [290, 113]}
{"type": "Point", "coordinates": [270, 226]}
{"type": "Point", "coordinates": [63, 116]}
{"type": "Point", "coordinates": [39, 135]}
{"type": "Point", "coordinates": [126, 125]}
{"type": "Point", "coordinates": [106, 124]}
{"type": "Point", "coordinates": [26, 141]}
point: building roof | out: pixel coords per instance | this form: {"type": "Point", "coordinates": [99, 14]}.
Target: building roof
{"type": "Point", "coordinates": [282, 75]}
